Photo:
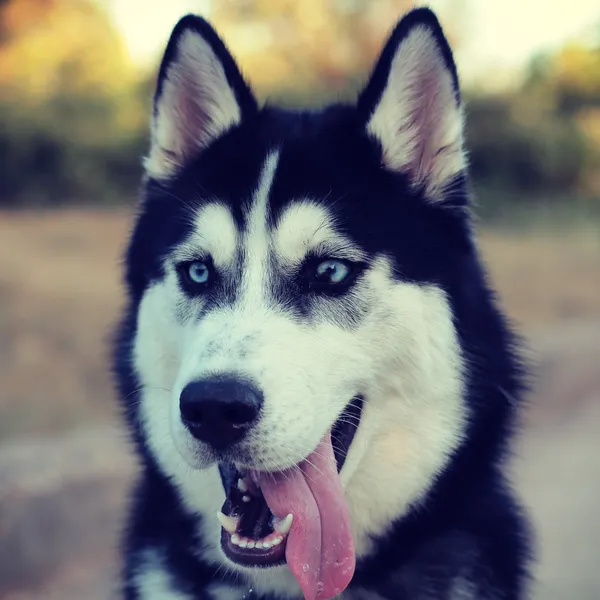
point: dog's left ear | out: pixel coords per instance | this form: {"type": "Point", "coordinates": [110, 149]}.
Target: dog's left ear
{"type": "Point", "coordinates": [412, 105]}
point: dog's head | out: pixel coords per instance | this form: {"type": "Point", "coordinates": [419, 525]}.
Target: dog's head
{"type": "Point", "coordinates": [294, 275]}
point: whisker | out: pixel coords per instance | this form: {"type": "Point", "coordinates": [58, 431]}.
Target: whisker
{"type": "Point", "coordinates": [146, 387]}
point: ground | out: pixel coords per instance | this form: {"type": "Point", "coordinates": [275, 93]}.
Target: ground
{"type": "Point", "coordinates": [64, 465]}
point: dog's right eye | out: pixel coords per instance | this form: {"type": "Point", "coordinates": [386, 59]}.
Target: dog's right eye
{"type": "Point", "coordinates": [195, 275]}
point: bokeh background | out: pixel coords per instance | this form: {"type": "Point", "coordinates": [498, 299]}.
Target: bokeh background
{"type": "Point", "coordinates": [76, 79]}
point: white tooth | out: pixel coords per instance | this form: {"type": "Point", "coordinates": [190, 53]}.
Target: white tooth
{"type": "Point", "coordinates": [229, 524]}
{"type": "Point", "coordinates": [285, 525]}
{"type": "Point", "coordinates": [246, 498]}
{"type": "Point", "coordinates": [235, 539]}
{"type": "Point", "coordinates": [242, 485]}
{"type": "Point", "coordinates": [276, 541]}
{"type": "Point", "coordinates": [251, 543]}
{"type": "Point", "coordinates": [258, 545]}
{"type": "Point", "coordinates": [243, 543]}
{"type": "Point", "coordinates": [267, 544]}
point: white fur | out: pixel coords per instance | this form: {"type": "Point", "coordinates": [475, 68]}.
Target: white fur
{"type": "Point", "coordinates": [414, 415]}
{"type": "Point", "coordinates": [256, 242]}
{"type": "Point", "coordinates": [278, 581]}
{"type": "Point", "coordinates": [307, 226]}
{"type": "Point", "coordinates": [418, 120]}
{"type": "Point", "coordinates": [403, 356]}
{"type": "Point", "coordinates": [154, 581]}
{"type": "Point", "coordinates": [464, 589]}
{"type": "Point", "coordinates": [196, 105]}
{"type": "Point", "coordinates": [214, 232]}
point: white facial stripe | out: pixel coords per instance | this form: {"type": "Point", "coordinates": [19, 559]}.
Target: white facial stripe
{"type": "Point", "coordinates": [256, 238]}
{"type": "Point", "coordinates": [305, 226]}
{"type": "Point", "coordinates": [214, 233]}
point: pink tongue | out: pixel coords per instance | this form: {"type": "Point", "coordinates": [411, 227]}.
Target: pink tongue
{"type": "Point", "coordinates": [320, 548]}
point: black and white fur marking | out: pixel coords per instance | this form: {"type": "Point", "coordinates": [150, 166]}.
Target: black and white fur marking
{"type": "Point", "coordinates": [259, 193]}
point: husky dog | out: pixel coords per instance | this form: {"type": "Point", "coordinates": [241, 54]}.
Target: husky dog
{"type": "Point", "coordinates": [314, 371]}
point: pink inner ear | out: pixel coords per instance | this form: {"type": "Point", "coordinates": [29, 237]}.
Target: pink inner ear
{"type": "Point", "coordinates": [427, 118]}
{"type": "Point", "coordinates": [192, 122]}
{"type": "Point", "coordinates": [197, 105]}
{"type": "Point", "coordinates": [418, 121]}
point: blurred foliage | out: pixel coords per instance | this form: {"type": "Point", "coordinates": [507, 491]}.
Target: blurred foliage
{"type": "Point", "coordinates": [74, 111]}
{"type": "Point", "coordinates": [72, 114]}
{"type": "Point", "coordinates": [301, 52]}
{"type": "Point", "coordinates": [543, 139]}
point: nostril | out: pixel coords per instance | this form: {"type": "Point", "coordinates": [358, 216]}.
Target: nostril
{"type": "Point", "coordinates": [239, 414]}
{"type": "Point", "coordinates": [220, 410]}
{"type": "Point", "coordinates": [236, 413]}
{"type": "Point", "coordinates": [191, 412]}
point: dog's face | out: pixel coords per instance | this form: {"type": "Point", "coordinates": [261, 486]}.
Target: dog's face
{"type": "Point", "coordinates": [292, 274]}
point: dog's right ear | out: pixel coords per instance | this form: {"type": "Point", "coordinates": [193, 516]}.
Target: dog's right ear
{"type": "Point", "coordinates": [200, 94]}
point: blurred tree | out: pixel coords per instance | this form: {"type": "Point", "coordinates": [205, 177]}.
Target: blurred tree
{"type": "Point", "coordinates": [59, 45]}
{"type": "Point", "coordinates": [310, 45]}
{"type": "Point", "coordinates": [563, 91]}
{"type": "Point", "coordinates": [73, 114]}
{"type": "Point", "coordinates": [509, 153]}
{"type": "Point", "coordinates": [69, 108]}
{"type": "Point", "coordinates": [571, 77]}
{"type": "Point", "coordinates": [544, 138]}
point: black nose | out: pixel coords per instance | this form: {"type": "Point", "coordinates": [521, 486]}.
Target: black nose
{"type": "Point", "coordinates": [220, 410]}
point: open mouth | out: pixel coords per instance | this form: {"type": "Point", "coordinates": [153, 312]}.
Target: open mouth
{"type": "Point", "coordinates": [298, 515]}
{"type": "Point", "coordinates": [251, 535]}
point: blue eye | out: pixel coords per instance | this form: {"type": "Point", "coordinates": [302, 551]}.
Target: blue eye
{"type": "Point", "coordinates": [198, 272]}
{"type": "Point", "coordinates": [332, 271]}
{"type": "Point", "coordinates": [195, 275]}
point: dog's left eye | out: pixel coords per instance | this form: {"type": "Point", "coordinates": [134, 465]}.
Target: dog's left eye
{"type": "Point", "coordinates": [332, 272]}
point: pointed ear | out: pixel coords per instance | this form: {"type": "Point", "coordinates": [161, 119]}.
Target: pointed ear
{"type": "Point", "coordinates": [200, 94]}
{"type": "Point", "coordinates": [412, 105]}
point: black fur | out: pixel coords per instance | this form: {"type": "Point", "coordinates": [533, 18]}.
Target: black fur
{"type": "Point", "coordinates": [469, 526]}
